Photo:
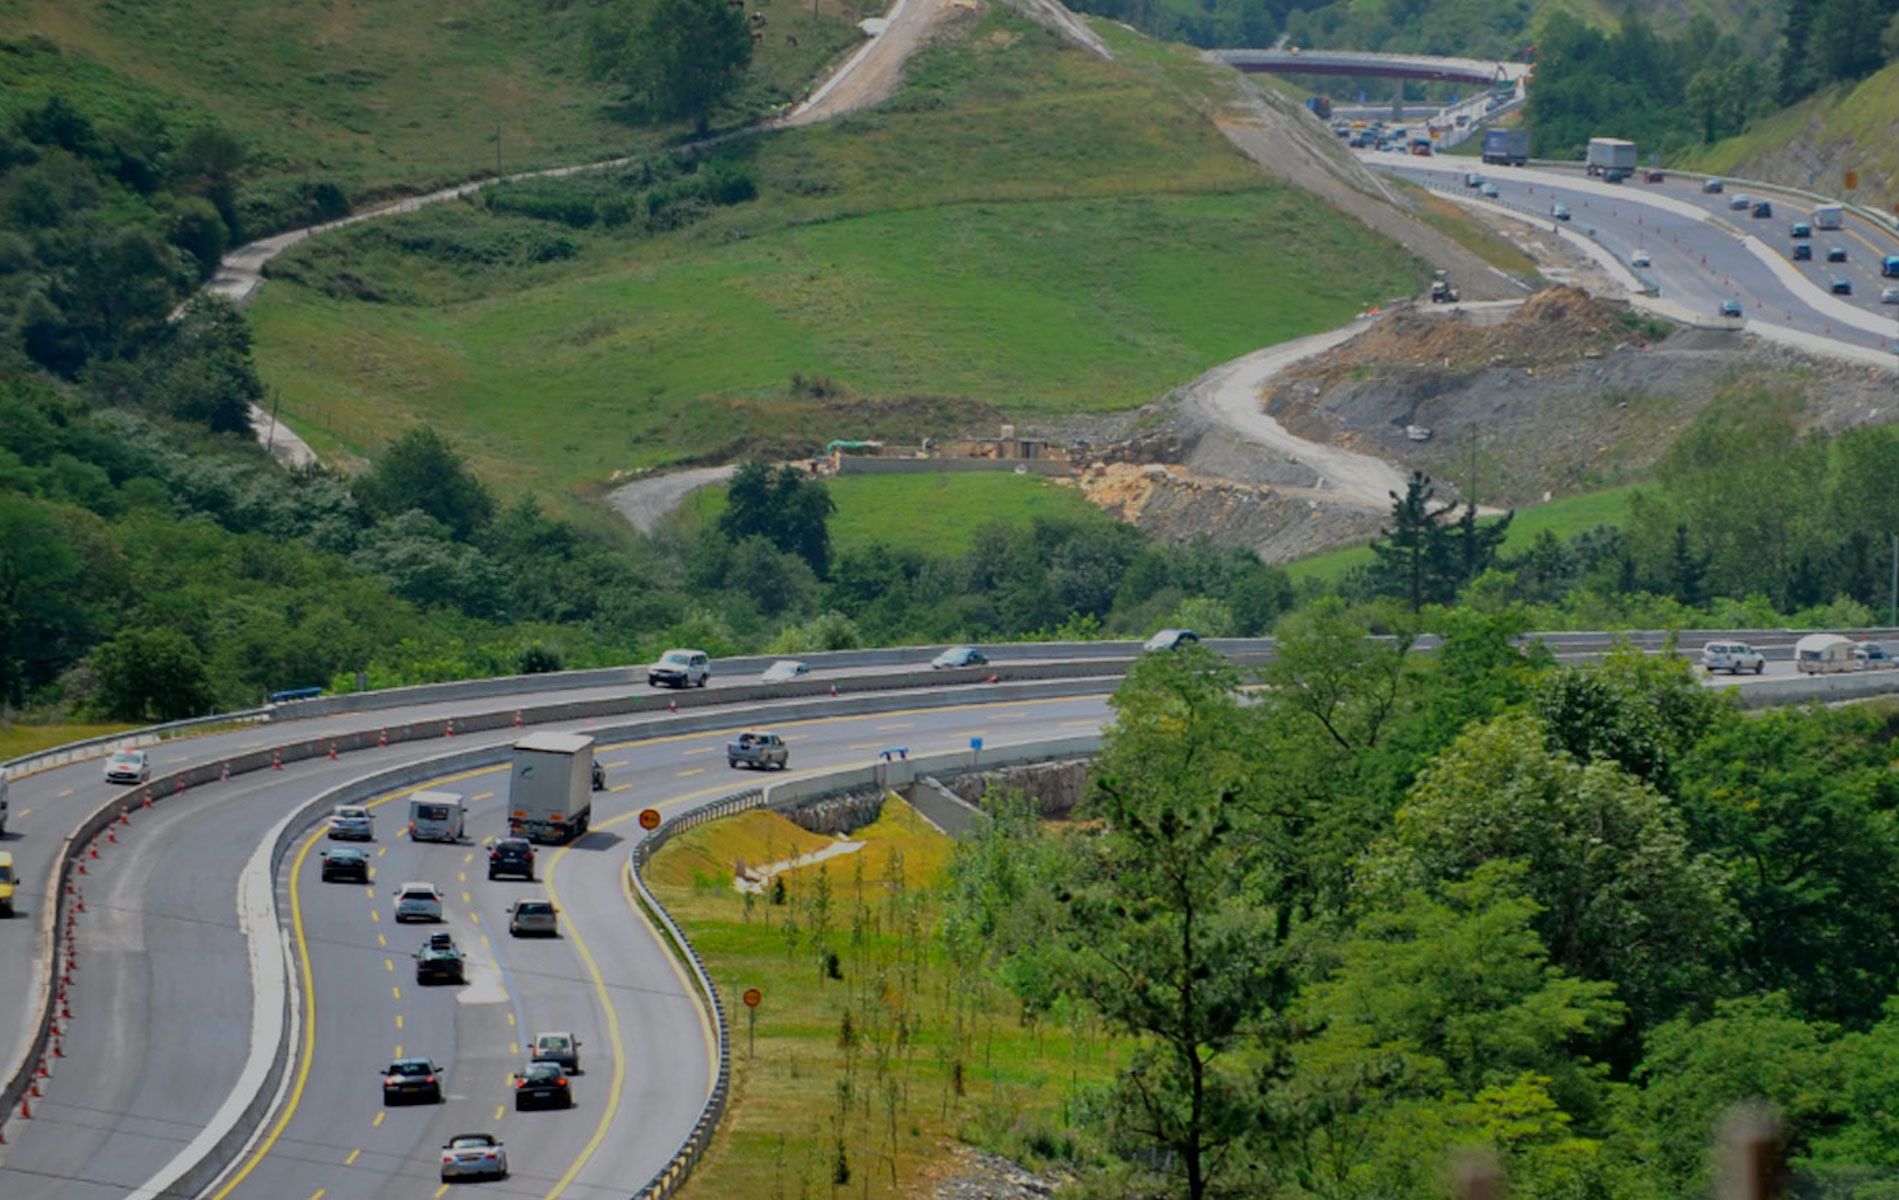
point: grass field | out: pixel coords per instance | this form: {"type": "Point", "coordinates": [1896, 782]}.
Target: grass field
{"type": "Point", "coordinates": [378, 96]}
{"type": "Point", "coordinates": [1457, 222]}
{"type": "Point", "coordinates": [936, 515]}
{"type": "Point", "coordinates": [1024, 230]}
{"type": "Point", "coordinates": [1563, 518]}
{"type": "Point", "coordinates": [18, 740]}
{"type": "Point", "coordinates": [930, 1056]}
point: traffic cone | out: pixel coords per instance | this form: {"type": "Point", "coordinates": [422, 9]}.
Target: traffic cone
{"type": "Point", "coordinates": [146, 799]}
{"type": "Point", "coordinates": [82, 871]}
{"type": "Point", "coordinates": [112, 834]}
{"type": "Point", "coordinates": [92, 850]}
{"type": "Point", "coordinates": [382, 737]}
{"type": "Point", "coordinates": [332, 751]}
{"type": "Point", "coordinates": [518, 722]}
{"type": "Point", "coordinates": [277, 759]}
{"type": "Point", "coordinates": [42, 1072]}
{"type": "Point", "coordinates": [672, 706]}
{"type": "Point", "coordinates": [993, 678]}
{"type": "Point", "coordinates": [834, 690]}
{"type": "Point", "coordinates": [26, 1110]}
{"type": "Point", "coordinates": [448, 730]}
{"type": "Point", "coordinates": [181, 785]}
{"type": "Point", "coordinates": [224, 774]}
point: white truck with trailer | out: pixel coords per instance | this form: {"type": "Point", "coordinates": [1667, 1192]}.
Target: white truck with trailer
{"type": "Point", "coordinates": [437, 817]}
{"type": "Point", "coordinates": [1610, 157]}
{"type": "Point", "coordinates": [550, 787]}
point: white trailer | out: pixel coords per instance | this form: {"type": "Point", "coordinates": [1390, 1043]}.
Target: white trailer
{"type": "Point", "coordinates": [437, 817]}
{"type": "Point", "coordinates": [550, 787]}
{"type": "Point", "coordinates": [1610, 154]}
{"type": "Point", "coordinates": [1829, 216]}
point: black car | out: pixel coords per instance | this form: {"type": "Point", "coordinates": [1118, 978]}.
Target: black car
{"type": "Point", "coordinates": [440, 961]}
{"type": "Point", "coordinates": [543, 1084]}
{"type": "Point", "coordinates": [1802, 252]}
{"type": "Point", "coordinates": [511, 856]}
{"type": "Point", "coordinates": [1840, 286]}
{"type": "Point", "coordinates": [1836, 253]}
{"type": "Point", "coordinates": [345, 862]}
{"type": "Point", "coordinates": [417, 1079]}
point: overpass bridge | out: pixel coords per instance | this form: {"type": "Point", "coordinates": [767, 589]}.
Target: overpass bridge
{"type": "Point", "coordinates": [1294, 61]}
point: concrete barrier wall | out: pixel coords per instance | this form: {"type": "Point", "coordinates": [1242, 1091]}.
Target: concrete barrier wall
{"type": "Point", "coordinates": [867, 465]}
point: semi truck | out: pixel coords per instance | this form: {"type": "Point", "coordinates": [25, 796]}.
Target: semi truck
{"type": "Point", "coordinates": [1829, 216]}
{"type": "Point", "coordinates": [1610, 154]}
{"type": "Point", "coordinates": [550, 787]}
{"type": "Point", "coordinates": [1506, 147]}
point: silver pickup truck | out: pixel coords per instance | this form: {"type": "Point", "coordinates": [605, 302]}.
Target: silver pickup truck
{"type": "Point", "coordinates": [760, 751]}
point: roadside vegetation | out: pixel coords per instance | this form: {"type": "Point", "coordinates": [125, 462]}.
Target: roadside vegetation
{"type": "Point", "coordinates": [881, 1040]}
{"type": "Point", "coordinates": [1024, 229]}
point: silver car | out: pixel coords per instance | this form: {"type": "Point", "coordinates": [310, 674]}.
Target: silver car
{"type": "Point", "coordinates": [785, 670]}
{"type": "Point", "coordinates": [474, 1156]}
{"type": "Point", "coordinates": [533, 917]}
{"type": "Point", "coordinates": [680, 668]}
{"type": "Point", "coordinates": [418, 901]}
{"type": "Point", "coordinates": [1732, 657]}
{"type": "Point", "coordinates": [128, 766]}
{"type": "Point", "coordinates": [352, 823]}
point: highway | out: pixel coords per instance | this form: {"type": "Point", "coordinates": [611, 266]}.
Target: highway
{"type": "Point", "coordinates": [1700, 257]}
{"type": "Point", "coordinates": [161, 1000]}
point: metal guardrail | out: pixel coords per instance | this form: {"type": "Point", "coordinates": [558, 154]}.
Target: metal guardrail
{"type": "Point", "coordinates": [98, 747]}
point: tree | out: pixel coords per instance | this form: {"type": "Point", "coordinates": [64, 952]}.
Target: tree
{"type": "Point", "coordinates": [39, 577]}
{"type": "Point", "coordinates": [786, 507]}
{"type": "Point", "coordinates": [1161, 938]}
{"type": "Point", "coordinates": [682, 60]}
{"type": "Point", "coordinates": [421, 471]}
{"type": "Point", "coordinates": [152, 674]}
{"type": "Point", "coordinates": [1407, 552]}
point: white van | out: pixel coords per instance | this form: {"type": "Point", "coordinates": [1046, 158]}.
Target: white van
{"type": "Point", "coordinates": [437, 817]}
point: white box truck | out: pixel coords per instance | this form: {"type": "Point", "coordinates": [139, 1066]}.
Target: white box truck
{"type": "Point", "coordinates": [550, 787]}
{"type": "Point", "coordinates": [437, 817]}
{"type": "Point", "coordinates": [1611, 156]}
{"type": "Point", "coordinates": [1829, 216]}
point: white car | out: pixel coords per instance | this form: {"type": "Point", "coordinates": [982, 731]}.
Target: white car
{"type": "Point", "coordinates": [352, 823]}
{"type": "Point", "coordinates": [785, 670]}
{"type": "Point", "coordinates": [680, 668]}
{"type": "Point", "coordinates": [1639, 259]}
{"type": "Point", "coordinates": [474, 1156]}
{"type": "Point", "coordinates": [418, 901]}
{"type": "Point", "coordinates": [1170, 639]}
{"type": "Point", "coordinates": [1732, 657]}
{"type": "Point", "coordinates": [958, 656]}
{"type": "Point", "coordinates": [128, 766]}
{"type": "Point", "coordinates": [1889, 295]}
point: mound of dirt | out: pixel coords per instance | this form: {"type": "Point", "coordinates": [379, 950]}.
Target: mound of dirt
{"type": "Point", "coordinates": [1558, 325]}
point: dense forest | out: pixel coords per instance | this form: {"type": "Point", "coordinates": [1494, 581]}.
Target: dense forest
{"type": "Point", "coordinates": [1395, 908]}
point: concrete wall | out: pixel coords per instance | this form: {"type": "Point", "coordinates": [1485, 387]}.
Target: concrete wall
{"type": "Point", "coordinates": [854, 465]}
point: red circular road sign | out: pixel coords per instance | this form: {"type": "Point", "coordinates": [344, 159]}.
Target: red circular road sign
{"type": "Point", "coordinates": [649, 818]}
{"type": "Point", "coordinates": [752, 997]}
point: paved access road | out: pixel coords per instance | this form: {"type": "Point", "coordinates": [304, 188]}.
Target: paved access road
{"type": "Point", "coordinates": [141, 1077]}
{"type": "Point", "coordinates": [1700, 257]}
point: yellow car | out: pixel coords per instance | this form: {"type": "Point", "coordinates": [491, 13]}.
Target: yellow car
{"type": "Point", "coordinates": [6, 883]}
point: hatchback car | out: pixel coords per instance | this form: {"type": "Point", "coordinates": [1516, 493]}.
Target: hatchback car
{"type": "Point", "coordinates": [1800, 229]}
{"type": "Point", "coordinates": [345, 863]}
{"type": "Point", "coordinates": [562, 1048]}
{"type": "Point", "coordinates": [417, 1079]}
{"type": "Point", "coordinates": [1732, 657]}
{"type": "Point", "coordinates": [533, 917]}
{"type": "Point", "coordinates": [128, 766]}
{"type": "Point", "coordinates": [1802, 252]}
{"type": "Point", "coordinates": [1836, 253]}
{"type": "Point", "coordinates": [1560, 211]}
{"type": "Point", "coordinates": [958, 656]}
{"type": "Point", "coordinates": [474, 1156]}
{"type": "Point", "coordinates": [680, 668]}
{"type": "Point", "coordinates": [418, 901]}
{"type": "Point", "coordinates": [785, 670]}
{"type": "Point", "coordinates": [1840, 285]}
{"type": "Point", "coordinates": [1730, 308]}
{"type": "Point", "coordinates": [352, 823]}
{"type": "Point", "coordinates": [511, 856]}
{"type": "Point", "coordinates": [1170, 639]}
{"type": "Point", "coordinates": [542, 1085]}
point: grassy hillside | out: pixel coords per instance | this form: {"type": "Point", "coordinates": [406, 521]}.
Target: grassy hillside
{"type": "Point", "coordinates": [1810, 144]}
{"type": "Point", "coordinates": [1025, 230]}
{"type": "Point", "coordinates": [377, 96]}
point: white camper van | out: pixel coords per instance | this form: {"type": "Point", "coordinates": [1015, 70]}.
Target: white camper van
{"type": "Point", "coordinates": [437, 817]}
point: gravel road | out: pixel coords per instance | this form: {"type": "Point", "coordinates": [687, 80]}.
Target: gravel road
{"type": "Point", "coordinates": [644, 501]}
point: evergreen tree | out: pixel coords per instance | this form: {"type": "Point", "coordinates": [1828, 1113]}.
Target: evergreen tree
{"type": "Point", "coordinates": [1406, 552]}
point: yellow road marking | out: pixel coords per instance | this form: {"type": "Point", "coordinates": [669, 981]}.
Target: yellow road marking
{"type": "Point", "coordinates": [381, 850]}
{"type": "Point", "coordinates": [370, 892]}
{"type": "Point", "coordinates": [499, 1109]}
{"type": "Point", "coordinates": [353, 1156]}
{"type": "Point", "coordinates": [510, 1020]}
{"type": "Point", "coordinates": [863, 745]}
{"type": "Point", "coordinates": [317, 1195]}
{"type": "Point", "coordinates": [390, 963]}
{"type": "Point", "coordinates": [382, 941]}
{"type": "Point", "coordinates": [483, 795]}
{"type": "Point", "coordinates": [441, 1191]}
{"type": "Point", "coordinates": [689, 771]}
{"type": "Point", "coordinates": [1079, 724]}
{"type": "Point", "coordinates": [469, 857]}
{"type": "Point", "coordinates": [467, 899]}
{"type": "Point", "coordinates": [66, 793]}
{"type": "Point", "coordinates": [618, 762]}
{"type": "Point", "coordinates": [514, 1048]}
{"type": "Point", "coordinates": [462, 877]}
{"type": "Point", "coordinates": [398, 1053]}
{"type": "Point", "coordinates": [25, 812]}
{"type": "Point", "coordinates": [375, 916]}
{"type": "Point", "coordinates": [396, 990]}
{"type": "Point", "coordinates": [619, 787]}
{"type": "Point", "coordinates": [699, 750]}
{"type": "Point", "coordinates": [380, 1114]}
{"type": "Point", "coordinates": [612, 1106]}
{"type": "Point", "coordinates": [398, 1020]}
{"type": "Point", "coordinates": [896, 725]}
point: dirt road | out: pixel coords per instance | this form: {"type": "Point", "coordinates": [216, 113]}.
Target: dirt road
{"type": "Point", "coordinates": [644, 501]}
{"type": "Point", "coordinates": [875, 69]}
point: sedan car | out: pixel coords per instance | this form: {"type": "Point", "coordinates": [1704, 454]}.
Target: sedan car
{"type": "Point", "coordinates": [1739, 203]}
{"type": "Point", "coordinates": [352, 823]}
{"type": "Point", "coordinates": [536, 917]}
{"type": "Point", "coordinates": [417, 1079]}
{"type": "Point", "coordinates": [511, 856]}
{"type": "Point", "coordinates": [1802, 252]}
{"type": "Point", "coordinates": [345, 863]}
{"type": "Point", "coordinates": [418, 901]}
{"type": "Point", "coordinates": [128, 766]}
{"type": "Point", "coordinates": [474, 1156]}
{"type": "Point", "coordinates": [1732, 657]}
{"type": "Point", "coordinates": [1840, 285]}
{"type": "Point", "coordinates": [1712, 186]}
{"type": "Point", "coordinates": [1872, 654]}
{"type": "Point", "coordinates": [562, 1048]}
{"type": "Point", "coordinates": [1730, 308]}
{"type": "Point", "coordinates": [785, 670]}
{"type": "Point", "coordinates": [1889, 295]}
{"type": "Point", "coordinates": [1640, 259]}
{"type": "Point", "coordinates": [1836, 253]}
{"type": "Point", "coordinates": [542, 1085]}
{"type": "Point", "coordinates": [1560, 211]}
{"type": "Point", "coordinates": [1488, 191]}
{"type": "Point", "coordinates": [1170, 639]}
{"type": "Point", "coordinates": [958, 656]}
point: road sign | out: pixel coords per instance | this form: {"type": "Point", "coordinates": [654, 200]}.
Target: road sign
{"type": "Point", "coordinates": [1851, 180]}
{"type": "Point", "coordinates": [649, 818]}
{"type": "Point", "coordinates": [752, 997]}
